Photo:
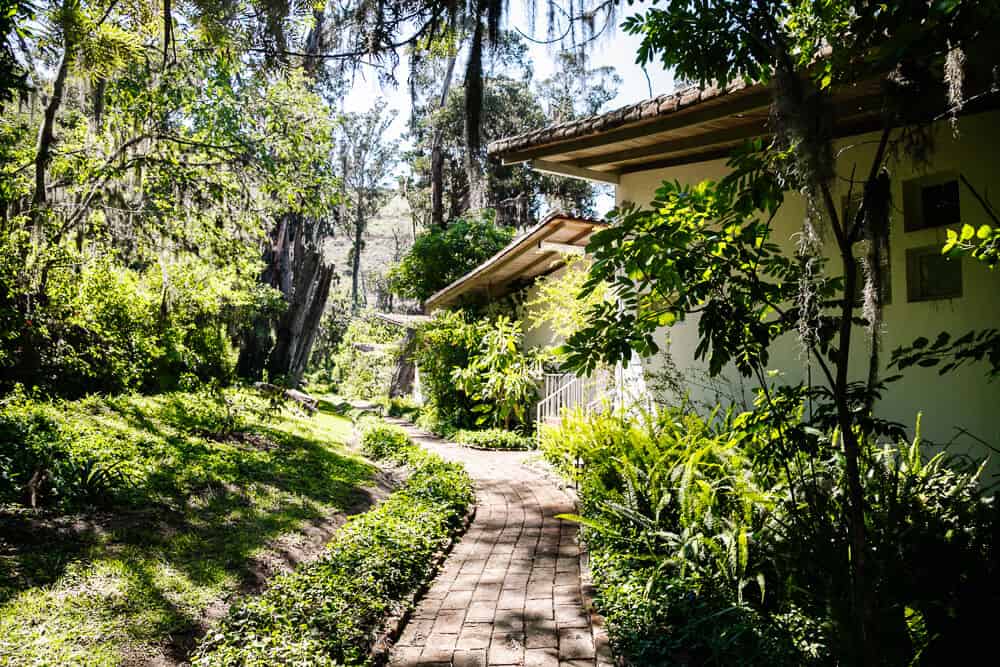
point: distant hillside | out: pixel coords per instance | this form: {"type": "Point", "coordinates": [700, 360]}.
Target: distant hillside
{"type": "Point", "coordinates": [389, 235]}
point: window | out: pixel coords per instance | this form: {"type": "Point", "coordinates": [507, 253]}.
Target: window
{"type": "Point", "coordinates": [930, 275]}
{"type": "Point", "coordinates": [931, 201]}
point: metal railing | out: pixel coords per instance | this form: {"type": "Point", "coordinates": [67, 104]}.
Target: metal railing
{"type": "Point", "coordinates": [565, 391]}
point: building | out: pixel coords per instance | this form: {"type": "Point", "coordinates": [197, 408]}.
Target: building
{"type": "Point", "coordinates": [686, 136]}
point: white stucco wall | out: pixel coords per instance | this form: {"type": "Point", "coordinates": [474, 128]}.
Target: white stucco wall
{"type": "Point", "coordinates": [542, 336]}
{"type": "Point", "coordinates": [963, 398]}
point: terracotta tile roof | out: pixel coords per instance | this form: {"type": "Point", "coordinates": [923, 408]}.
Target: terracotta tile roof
{"type": "Point", "coordinates": [650, 109]}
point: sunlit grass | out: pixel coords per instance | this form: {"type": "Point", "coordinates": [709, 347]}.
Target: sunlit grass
{"type": "Point", "coordinates": [132, 580]}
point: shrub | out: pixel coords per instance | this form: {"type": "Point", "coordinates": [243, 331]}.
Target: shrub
{"type": "Point", "coordinates": [402, 407]}
{"type": "Point", "coordinates": [704, 555]}
{"type": "Point", "coordinates": [445, 343]}
{"type": "Point", "coordinates": [329, 611]}
{"type": "Point", "coordinates": [111, 328]}
{"type": "Point", "coordinates": [499, 376]}
{"type": "Point", "coordinates": [51, 455]}
{"type": "Point", "coordinates": [495, 438]}
{"type": "Point", "coordinates": [363, 365]}
{"type": "Point", "coordinates": [438, 422]}
{"type": "Point", "coordinates": [380, 440]}
{"type": "Point", "coordinates": [438, 256]}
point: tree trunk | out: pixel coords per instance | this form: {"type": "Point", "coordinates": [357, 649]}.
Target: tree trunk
{"type": "Point", "coordinates": [46, 133]}
{"type": "Point", "coordinates": [258, 340]}
{"type": "Point", "coordinates": [437, 156]}
{"type": "Point", "coordinates": [473, 116]}
{"type": "Point", "coordinates": [359, 229]}
{"type": "Point", "coordinates": [860, 595]}
{"type": "Point", "coordinates": [405, 371]}
{"type": "Point", "coordinates": [310, 324]}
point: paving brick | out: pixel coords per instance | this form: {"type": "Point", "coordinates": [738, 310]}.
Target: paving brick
{"type": "Point", "coordinates": [457, 600]}
{"type": "Point", "coordinates": [506, 649]}
{"type": "Point", "coordinates": [481, 611]}
{"type": "Point", "coordinates": [448, 621]}
{"type": "Point", "coordinates": [540, 633]}
{"type": "Point", "coordinates": [541, 657]}
{"type": "Point", "coordinates": [511, 599]}
{"type": "Point", "coordinates": [509, 592]}
{"type": "Point", "coordinates": [474, 658]}
{"type": "Point", "coordinates": [572, 617]}
{"type": "Point", "coordinates": [540, 609]}
{"type": "Point", "coordinates": [575, 643]}
{"type": "Point", "coordinates": [486, 592]}
{"type": "Point", "coordinates": [415, 633]}
{"type": "Point", "coordinates": [405, 655]}
{"type": "Point", "coordinates": [475, 636]}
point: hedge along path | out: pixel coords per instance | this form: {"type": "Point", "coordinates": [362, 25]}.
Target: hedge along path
{"type": "Point", "coordinates": [510, 592]}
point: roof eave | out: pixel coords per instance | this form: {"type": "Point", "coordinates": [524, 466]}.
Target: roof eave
{"type": "Point", "coordinates": [447, 295]}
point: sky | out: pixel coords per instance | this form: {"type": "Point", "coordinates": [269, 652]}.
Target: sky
{"type": "Point", "coordinates": [614, 48]}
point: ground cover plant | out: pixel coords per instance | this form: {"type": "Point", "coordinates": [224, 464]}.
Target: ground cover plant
{"type": "Point", "coordinates": [706, 549]}
{"type": "Point", "coordinates": [402, 407]}
{"type": "Point", "coordinates": [151, 511]}
{"type": "Point", "coordinates": [329, 611]}
{"type": "Point", "coordinates": [494, 438]}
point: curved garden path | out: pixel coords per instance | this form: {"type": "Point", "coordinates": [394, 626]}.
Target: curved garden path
{"type": "Point", "coordinates": [510, 592]}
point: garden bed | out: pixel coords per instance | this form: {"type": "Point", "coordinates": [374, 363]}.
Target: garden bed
{"type": "Point", "coordinates": [494, 439]}
{"type": "Point", "coordinates": [349, 602]}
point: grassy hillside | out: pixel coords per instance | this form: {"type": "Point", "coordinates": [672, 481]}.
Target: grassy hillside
{"type": "Point", "coordinates": [155, 512]}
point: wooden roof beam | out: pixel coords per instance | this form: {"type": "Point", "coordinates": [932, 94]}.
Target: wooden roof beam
{"type": "Point", "coordinates": [571, 171]}
{"type": "Point", "coordinates": [665, 148]}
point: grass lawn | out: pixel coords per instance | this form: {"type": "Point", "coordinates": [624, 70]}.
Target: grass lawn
{"type": "Point", "coordinates": [198, 517]}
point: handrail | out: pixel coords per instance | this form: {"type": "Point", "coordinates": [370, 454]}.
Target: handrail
{"type": "Point", "coordinates": [571, 391]}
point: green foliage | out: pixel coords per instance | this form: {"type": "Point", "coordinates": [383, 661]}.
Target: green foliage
{"type": "Point", "coordinates": [437, 421]}
{"type": "Point", "coordinates": [438, 257]}
{"type": "Point", "coordinates": [695, 249]}
{"type": "Point", "coordinates": [562, 304]}
{"type": "Point", "coordinates": [131, 242]}
{"type": "Point", "coordinates": [710, 547]}
{"type": "Point", "coordinates": [380, 440]}
{"type": "Point", "coordinates": [500, 377]}
{"type": "Point", "coordinates": [111, 328]}
{"type": "Point", "coordinates": [494, 438]}
{"type": "Point", "coordinates": [113, 451]}
{"type": "Point", "coordinates": [982, 244]}
{"type": "Point", "coordinates": [444, 344]}
{"type": "Point", "coordinates": [510, 106]}
{"type": "Point", "coordinates": [328, 611]}
{"type": "Point", "coordinates": [332, 329]}
{"type": "Point", "coordinates": [363, 365]}
{"type": "Point", "coordinates": [402, 407]}
{"type": "Point", "coordinates": [184, 516]}
{"type": "Point", "coordinates": [835, 42]}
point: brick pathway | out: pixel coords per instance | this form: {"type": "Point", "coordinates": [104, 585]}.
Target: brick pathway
{"type": "Point", "coordinates": [510, 591]}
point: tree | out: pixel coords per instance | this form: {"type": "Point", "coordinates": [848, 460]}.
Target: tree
{"type": "Point", "coordinates": [510, 105]}
{"type": "Point", "coordinates": [653, 257]}
{"type": "Point", "coordinates": [367, 159]}
{"type": "Point", "coordinates": [576, 90]}
{"type": "Point", "coordinates": [438, 256]}
{"type": "Point", "coordinates": [168, 153]}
